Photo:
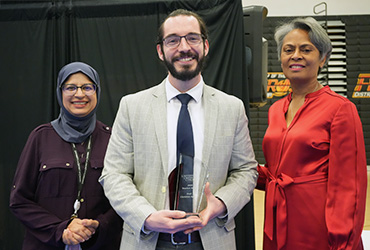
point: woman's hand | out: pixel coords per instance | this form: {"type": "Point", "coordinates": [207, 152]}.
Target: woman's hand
{"type": "Point", "coordinates": [79, 231]}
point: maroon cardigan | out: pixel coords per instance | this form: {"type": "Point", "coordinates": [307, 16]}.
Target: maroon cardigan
{"type": "Point", "coordinates": [45, 188]}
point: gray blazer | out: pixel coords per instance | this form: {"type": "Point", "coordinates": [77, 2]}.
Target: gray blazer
{"type": "Point", "coordinates": [135, 171]}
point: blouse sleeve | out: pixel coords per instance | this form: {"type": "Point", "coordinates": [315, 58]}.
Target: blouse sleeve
{"type": "Point", "coordinates": [42, 224]}
{"type": "Point", "coordinates": [347, 180]}
{"type": "Point", "coordinates": [262, 178]}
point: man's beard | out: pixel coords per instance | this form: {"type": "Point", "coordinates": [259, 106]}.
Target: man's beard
{"type": "Point", "coordinates": [186, 74]}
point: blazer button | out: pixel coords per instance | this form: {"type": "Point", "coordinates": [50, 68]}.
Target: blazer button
{"type": "Point", "coordinates": [163, 189]}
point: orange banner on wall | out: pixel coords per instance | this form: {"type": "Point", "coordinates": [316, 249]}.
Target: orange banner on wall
{"type": "Point", "coordinates": [362, 88]}
{"type": "Point", "coordinates": [277, 85]}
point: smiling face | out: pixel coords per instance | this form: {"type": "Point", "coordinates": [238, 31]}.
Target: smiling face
{"type": "Point", "coordinates": [300, 59]}
{"type": "Point", "coordinates": [184, 62]}
{"type": "Point", "coordinates": [79, 105]}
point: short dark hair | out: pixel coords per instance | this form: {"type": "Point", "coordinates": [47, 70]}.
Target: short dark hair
{"type": "Point", "coordinates": [182, 12]}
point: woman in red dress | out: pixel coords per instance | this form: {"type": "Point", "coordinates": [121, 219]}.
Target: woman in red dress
{"type": "Point", "coordinates": [315, 174]}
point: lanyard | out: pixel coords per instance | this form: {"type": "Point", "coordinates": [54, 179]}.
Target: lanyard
{"type": "Point", "coordinates": [81, 176]}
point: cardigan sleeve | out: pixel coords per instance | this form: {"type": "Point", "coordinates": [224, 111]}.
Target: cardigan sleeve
{"type": "Point", "coordinates": [347, 180]}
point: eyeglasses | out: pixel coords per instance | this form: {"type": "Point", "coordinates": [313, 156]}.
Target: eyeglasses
{"type": "Point", "coordinates": [173, 41]}
{"type": "Point", "coordinates": [71, 89]}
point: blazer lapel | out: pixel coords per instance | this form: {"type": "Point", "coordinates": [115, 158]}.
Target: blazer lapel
{"type": "Point", "coordinates": [159, 111]}
{"type": "Point", "coordinates": [210, 123]}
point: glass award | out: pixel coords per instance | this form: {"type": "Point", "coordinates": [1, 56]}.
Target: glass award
{"type": "Point", "coordinates": [184, 187]}
{"type": "Point", "coordinates": [184, 184]}
{"type": "Point", "coordinates": [203, 179]}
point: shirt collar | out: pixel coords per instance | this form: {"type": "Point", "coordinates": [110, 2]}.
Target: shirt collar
{"type": "Point", "coordinates": [195, 93]}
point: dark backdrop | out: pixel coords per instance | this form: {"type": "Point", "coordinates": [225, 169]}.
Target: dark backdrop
{"type": "Point", "coordinates": [117, 38]}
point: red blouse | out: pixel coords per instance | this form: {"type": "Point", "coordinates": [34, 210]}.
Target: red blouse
{"type": "Point", "coordinates": [315, 175]}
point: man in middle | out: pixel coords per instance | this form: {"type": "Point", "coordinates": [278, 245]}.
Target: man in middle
{"type": "Point", "coordinates": [144, 149]}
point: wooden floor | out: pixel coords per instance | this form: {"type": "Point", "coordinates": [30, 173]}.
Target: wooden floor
{"type": "Point", "coordinates": [259, 197]}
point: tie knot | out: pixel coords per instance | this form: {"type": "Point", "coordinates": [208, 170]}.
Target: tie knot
{"type": "Point", "coordinates": [184, 98]}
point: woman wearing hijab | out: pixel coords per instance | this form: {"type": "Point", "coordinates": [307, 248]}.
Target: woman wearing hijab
{"type": "Point", "coordinates": [315, 173]}
{"type": "Point", "coordinates": [55, 193]}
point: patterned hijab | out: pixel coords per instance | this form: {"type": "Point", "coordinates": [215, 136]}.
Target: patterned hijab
{"type": "Point", "coordinates": [69, 127]}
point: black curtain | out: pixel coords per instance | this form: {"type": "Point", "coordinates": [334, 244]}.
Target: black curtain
{"type": "Point", "coordinates": [117, 38]}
